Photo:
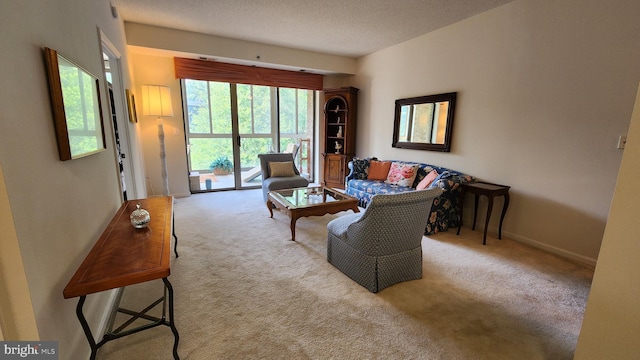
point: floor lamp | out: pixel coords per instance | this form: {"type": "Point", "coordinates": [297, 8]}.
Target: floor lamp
{"type": "Point", "coordinates": [157, 102]}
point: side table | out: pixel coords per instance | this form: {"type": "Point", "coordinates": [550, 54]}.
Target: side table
{"type": "Point", "coordinates": [123, 256]}
{"type": "Point", "coordinates": [490, 191]}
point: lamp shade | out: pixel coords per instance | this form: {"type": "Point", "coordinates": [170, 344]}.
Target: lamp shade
{"type": "Point", "coordinates": [156, 100]}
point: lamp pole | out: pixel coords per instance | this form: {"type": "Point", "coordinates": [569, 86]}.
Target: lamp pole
{"type": "Point", "coordinates": [163, 158]}
{"type": "Point", "coordinates": [158, 102]}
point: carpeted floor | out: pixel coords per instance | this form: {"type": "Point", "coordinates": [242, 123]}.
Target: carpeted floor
{"type": "Point", "coordinates": [243, 290]}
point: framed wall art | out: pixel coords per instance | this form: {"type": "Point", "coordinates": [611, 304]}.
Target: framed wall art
{"type": "Point", "coordinates": [77, 112]}
{"type": "Point", "coordinates": [131, 105]}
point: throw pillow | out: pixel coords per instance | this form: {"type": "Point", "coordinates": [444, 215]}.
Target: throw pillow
{"type": "Point", "coordinates": [378, 170]}
{"type": "Point", "coordinates": [427, 180]}
{"type": "Point", "coordinates": [360, 168]}
{"type": "Point", "coordinates": [281, 169]}
{"type": "Point", "coordinates": [402, 174]}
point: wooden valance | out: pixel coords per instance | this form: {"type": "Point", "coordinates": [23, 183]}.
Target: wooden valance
{"type": "Point", "coordinates": [242, 74]}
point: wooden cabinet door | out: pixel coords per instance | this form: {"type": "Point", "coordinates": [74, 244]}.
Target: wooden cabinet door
{"type": "Point", "coordinates": [334, 174]}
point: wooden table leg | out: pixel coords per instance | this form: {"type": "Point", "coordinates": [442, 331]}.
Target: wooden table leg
{"type": "Point", "coordinates": [475, 212]}
{"type": "Point", "coordinates": [486, 221]}
{"type": "Point", "coordinates": [504, 211]}
{"type": "Point", "coordinates": [270, 207]}
{"type": "Point", "coordinates": [293, 227]}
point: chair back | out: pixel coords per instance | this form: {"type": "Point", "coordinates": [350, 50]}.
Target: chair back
{"type": "Point", "coordinates": [393, 223]}
{"type": "Point", "coordinates": [292, 148]}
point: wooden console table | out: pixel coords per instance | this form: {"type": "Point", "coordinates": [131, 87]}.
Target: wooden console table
{"type": "Point", "coordinates": [490, 191]}
{"type": "Point", "coordinates": [123, 256]}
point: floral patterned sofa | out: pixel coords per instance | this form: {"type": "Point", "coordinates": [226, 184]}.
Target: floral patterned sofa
{"type": "Point", "coordinates": [445, 212]}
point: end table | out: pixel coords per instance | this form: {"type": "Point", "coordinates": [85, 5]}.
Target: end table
{"type": "Point", "coordinates": [490, 191]}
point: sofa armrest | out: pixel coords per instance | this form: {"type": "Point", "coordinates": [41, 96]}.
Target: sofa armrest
{"type": "Point", "coordinates": [358, 168]}
{"type": "Point", "coordinates": [351, 175]}
{"type": "Point", "coordinates": [451, 182]}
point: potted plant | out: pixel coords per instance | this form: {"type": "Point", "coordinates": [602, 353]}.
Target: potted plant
{"type": "Point", "coordinates": [221, 166]}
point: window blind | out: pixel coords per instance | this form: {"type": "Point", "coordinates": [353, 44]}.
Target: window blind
{"type": "Point", "coordinates": [242, 74]}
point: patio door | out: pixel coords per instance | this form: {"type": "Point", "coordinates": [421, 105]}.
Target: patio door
{"type": "Point", "coordinates": [228, 125]}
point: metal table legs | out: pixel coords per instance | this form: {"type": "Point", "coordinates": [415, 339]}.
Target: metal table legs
{"type": "Point", "coordinates": [175, 245]}
{"type": "Point", "coordinates": [111, 334]}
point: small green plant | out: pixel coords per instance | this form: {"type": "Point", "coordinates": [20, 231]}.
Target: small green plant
{"type": "Point", "coordinates": [221, 165]}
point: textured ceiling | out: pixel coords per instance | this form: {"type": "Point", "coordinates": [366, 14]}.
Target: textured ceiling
{"type": "Point", "coordinates": [350, 28]}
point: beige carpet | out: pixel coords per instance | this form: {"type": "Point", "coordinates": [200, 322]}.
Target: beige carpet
{"type": "Point", "coordinates": [245, 291]}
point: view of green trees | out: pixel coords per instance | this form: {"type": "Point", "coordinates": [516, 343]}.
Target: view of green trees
{"type": "Point", "coordinates": [210, 121]}
{"type": "Point", "coordinates": [80, 107]}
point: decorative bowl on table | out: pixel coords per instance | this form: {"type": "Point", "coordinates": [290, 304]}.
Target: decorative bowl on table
{"type": "Point", "coordinates": [139, 217]}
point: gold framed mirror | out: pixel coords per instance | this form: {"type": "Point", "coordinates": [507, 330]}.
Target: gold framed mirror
{"type": "Point", "coordinates": [77, 112]}
{"type": "Point", "coordinates": [425, 122]}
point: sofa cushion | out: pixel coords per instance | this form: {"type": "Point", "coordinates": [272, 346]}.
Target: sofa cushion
{"type": "Point", "coordinates": [378, 170]}
{"type": "Point", "coordinates": [279, 183]}
{"type": "Point", "coordinates": [377, 187]}
{"type": "Point", "coordinates": [281, 169]}
{"type": "Point", "coordinates": [402, 174]}
{"type": "Point", "coordinates": [426, 182]}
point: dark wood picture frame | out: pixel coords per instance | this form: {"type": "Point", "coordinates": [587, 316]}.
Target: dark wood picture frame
{"type": "Point", "coordinates": [131, 105]}
{"type": "Point", "coordinates": [77, 110]}
{"type": "Point", "coordinates": [398, 128]}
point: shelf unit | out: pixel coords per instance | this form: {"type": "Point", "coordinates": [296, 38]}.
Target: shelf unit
{"type": "Point", "coordinates": [339, 134]}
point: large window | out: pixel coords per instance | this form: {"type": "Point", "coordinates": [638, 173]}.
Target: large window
{"type": "Point", "coordinates": [240, 121]}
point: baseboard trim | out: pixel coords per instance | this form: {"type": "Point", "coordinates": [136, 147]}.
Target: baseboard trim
{"type": "Point", "coordinates": [552, 249]}
{"type": "Point", "coordinates": [539, 245]}
{"type": "Point", "coordinates": [536, 244]}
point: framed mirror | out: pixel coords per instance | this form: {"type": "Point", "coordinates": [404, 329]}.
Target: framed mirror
{"type": "Point", "coordinates": [425, 122]}
{"type": "Point", "coordinates": [77, 112]}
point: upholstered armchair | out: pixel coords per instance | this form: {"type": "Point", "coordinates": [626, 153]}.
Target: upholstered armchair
{"type": "Point", "coordinates": [382, 246]}
{"type": "Point", "coordinates": [280, 174]}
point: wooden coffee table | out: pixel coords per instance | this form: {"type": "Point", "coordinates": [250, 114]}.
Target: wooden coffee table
{"type": "Point", "coordinates": [309, 201]}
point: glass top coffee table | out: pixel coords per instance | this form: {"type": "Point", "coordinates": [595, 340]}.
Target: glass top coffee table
{"type": "Point", "coordinates": [309, 201]}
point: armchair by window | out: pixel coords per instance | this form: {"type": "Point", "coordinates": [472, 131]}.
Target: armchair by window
{"type": "Point", "coordinates": [283, 180]}
{"type": "Point", "coordinates": [382, 246]}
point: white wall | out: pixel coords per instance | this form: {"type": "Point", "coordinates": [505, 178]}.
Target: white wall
{"type": "Point", "coordinates": [59, 209]}
{"type": "Point", "coordinates": [544, 90]}
{"type": "Point", "coordinates": [612, 318]}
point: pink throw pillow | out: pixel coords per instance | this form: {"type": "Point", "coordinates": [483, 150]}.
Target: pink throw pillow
{"type": "Point", "coordinates": [402, 174]}
{"type": "Point", "coordinates": [427, 180]}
